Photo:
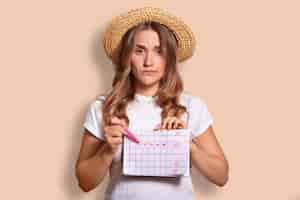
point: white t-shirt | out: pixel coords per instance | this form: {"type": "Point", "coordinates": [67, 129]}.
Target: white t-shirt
{"type": "Point", "coordinates": [143, 113]}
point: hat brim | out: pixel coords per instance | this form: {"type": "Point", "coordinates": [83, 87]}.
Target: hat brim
{"type": "Point", "coordinates": [122, 23]}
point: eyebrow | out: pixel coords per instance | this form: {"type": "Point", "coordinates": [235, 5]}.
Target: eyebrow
{"type": "Point", "coordinates": [144, 47]}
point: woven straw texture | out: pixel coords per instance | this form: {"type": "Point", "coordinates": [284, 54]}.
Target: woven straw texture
{"type": "Point", "coordinates": [120, 24]}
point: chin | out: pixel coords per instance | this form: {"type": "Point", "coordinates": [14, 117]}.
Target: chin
{"type": "Point", "coordinates": [149, 82]}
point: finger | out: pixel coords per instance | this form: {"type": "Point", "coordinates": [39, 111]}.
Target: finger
{"type": "Point", "coordinates": [124, 123]}
{"type": "Point", "coordinates": [111, 139]}
{"type": "Point", "coordinates": [168, 123]}
{"type": "Point", "coordinates": [181, 124]}
{"type": "Point", "coordinates": [117, 121]}
{"type": "Point", "coordinates": [114, 143]}
{"type": "Point", "coordinates": [115, 131]}
{"type": "Point", "coordinates": [176, 124]}
{"type": "Point", "coordinates": [120, 131]}
{"type": "Point", "coordinates": [184, 125]}
{"type": "Point", "coordinates": [114, 120]}
{"type": "Point", "coordinates": [171, 122]}
{"type": "Point", "coordinates": [164, 124]}
{"type": "Point", "coordinates": [117, 140]}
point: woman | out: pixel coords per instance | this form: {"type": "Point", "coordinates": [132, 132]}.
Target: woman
{"type": "Point", "coordinates": [145, 46]}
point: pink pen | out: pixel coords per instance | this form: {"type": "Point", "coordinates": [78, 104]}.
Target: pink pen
{"type": "Point", "coordinates": [131, 135]}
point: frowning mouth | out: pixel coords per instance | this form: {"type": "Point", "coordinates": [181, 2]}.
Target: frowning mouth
{"type": "Point", "coordinates": [149, 72]}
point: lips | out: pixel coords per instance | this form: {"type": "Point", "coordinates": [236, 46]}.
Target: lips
{"type": "Point", "coordinates": [149, 72]}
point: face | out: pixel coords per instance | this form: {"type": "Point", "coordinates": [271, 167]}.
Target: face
{"type": "Point", "coordinates": [147, 61]}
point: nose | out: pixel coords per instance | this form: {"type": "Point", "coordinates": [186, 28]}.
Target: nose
{"type": "Point", "coordinates": [148, 59]}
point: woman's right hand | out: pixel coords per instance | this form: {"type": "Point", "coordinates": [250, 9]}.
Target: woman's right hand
{"type": "Point", "coordinates": [113, 133]}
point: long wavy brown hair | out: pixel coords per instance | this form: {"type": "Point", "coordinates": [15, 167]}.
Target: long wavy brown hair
{"type": "Point", "coordinates": [123, 90]}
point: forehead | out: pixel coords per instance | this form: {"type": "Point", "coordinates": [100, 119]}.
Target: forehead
{"type": "Point", "coordinates": [147, 38]}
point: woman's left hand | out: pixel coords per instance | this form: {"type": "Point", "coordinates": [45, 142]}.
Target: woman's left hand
{"type": "Point", "coordinates": [172, 123]}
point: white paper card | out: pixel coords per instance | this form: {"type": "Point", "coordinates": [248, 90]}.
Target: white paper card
{"type": "Point", "coordinates": [159, 153]}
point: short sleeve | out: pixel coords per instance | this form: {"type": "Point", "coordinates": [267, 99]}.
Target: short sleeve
{"type": "Point", "coordinates": [93, 119]}
{"type": "Point", "coordinates": [200, 117]}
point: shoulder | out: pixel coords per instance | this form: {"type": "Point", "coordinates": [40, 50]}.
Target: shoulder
{"type": "Point", "coordinates": [189, 99]}
{"type": "Point", "coordinates": [99, 100]}
{"type": "Point", "coordinates": [100, 97]}
{"type": "Point", "coordinates": [96, 103]}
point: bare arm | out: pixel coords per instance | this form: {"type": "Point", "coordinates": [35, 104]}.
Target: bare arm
{"type": "Point", "coordinates": [208, 157]}
{"type": "Point", "coordinates": [206, 153]}
{"type": "Point", "coordinates": [94, 161]}
{"type": "Point", "coordinates": [95, 157]}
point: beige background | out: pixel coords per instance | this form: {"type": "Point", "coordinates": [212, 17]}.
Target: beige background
{"type": "Point", "coordinates": [246, 66]}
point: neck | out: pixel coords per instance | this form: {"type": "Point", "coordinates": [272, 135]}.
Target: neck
{"type": "Point", "coordinates": [146, 90]}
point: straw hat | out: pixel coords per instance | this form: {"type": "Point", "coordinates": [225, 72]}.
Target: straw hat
{"type": "Point", "coordinates": [120, 25]}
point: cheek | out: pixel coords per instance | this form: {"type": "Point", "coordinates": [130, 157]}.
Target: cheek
{"type": "Point", "coordinates": [135, 64]}
{"type": "Point", "coordinates": [160, 61]}
{"type": "Point", "coordinates": [162, 67]}
{"type": "Point", "coordinates": [162, 72]}
{"type": "Point", "coordinates": [137, 60]}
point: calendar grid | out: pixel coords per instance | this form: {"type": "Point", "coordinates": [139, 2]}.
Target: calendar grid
{"type": "Point", "coordinates": [159, 153]}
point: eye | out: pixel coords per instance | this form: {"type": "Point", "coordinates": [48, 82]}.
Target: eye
{"type": "Point", "coordinates": [138, 50]}
{"type": "Point", "coordinates": [158, 51]}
